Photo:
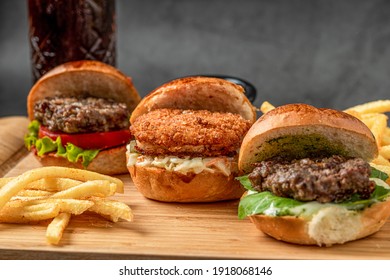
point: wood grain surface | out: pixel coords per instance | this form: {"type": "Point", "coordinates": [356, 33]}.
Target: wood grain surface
{"type": "Point", "coordinates": [166, 231]}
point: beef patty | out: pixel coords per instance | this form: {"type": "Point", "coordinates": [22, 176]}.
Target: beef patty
{"type": "Point", "coordinates": [332, 179]}
{"type": "Point", "coordinates": [81, 115]}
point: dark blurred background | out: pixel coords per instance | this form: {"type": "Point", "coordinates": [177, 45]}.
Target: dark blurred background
{"type": "Point", "coordinates": [327, 53]}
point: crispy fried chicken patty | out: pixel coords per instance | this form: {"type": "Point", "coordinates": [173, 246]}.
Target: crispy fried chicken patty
{"type": "Point", "coordinates": [189, 132]}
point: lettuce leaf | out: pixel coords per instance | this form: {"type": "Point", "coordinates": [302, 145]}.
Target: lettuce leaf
{"type": "Point", "coordinates": [245, 182]}
{"type": "Point", "coordinates": [31, 137]}
{"type": "Point", "coordinates": [46, 145]}
{"type": "Point", "coordinates": [375, 173]}
{"type": "Point", "coordinates": [272, 205]}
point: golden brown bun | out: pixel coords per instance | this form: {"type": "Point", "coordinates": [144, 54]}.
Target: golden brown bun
{"type": "Point", "coordinates": [110, 162]}
{"type": "Point", "coordinates": [84, 77]}
{"type": "Point", "coordinates": [344, 133]}
{"type": "Point", "coordinates": [330, 226]}
{"type": "Point", "coordinates": [163, 185]}
{"type": "Point", "coordinates": [198, 93]}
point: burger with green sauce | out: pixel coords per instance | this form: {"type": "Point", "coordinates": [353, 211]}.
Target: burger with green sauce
{"type": "Point", "coordinates": [308, 179]}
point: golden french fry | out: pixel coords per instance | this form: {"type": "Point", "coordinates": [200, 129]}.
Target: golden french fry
{"type": "Point", "coordinates": [5, 180]}
{"type": "Point", "coordinates": [67, 205]}
{"type": "Point", "coordinates": [100, 188]}
{"type": "Point", "coordinates": [381, 160]}
{"type": "Point", "coordinates": [378, 128]}
{"type": "Point", "coordinates": [385, 151]}
{"type": "Point", "coordinates": [19, 183]}
{"type": "Point", "coordinates": [354, 113]}
{"type": "Point", "coordinates": [369, 122]}
{"type": "Point", "coordinates": [385, 139]}
{"type": "Point", "coordinates": [266, 107]}
{"type": "Point", "coordinates": [34, 193]}
{"type": "Point", "coordinates": [113, 210]}
{"type": "Point", "coordinates": [379, 106]}
{"type": "Point", "coordinates": [28, 214]}
{"type": "Point", "coordinates": [53, 184]}
{"type": "Point", "coordinates": [56, 228]}
{"type": "Point", "coordinates": [58, 192]}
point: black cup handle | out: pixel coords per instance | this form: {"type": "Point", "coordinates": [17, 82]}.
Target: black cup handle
{"type": "Point", "coordinates": [250, 90]}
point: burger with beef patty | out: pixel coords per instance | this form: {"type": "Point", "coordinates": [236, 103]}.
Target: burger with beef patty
{"type": "Point", "coordinates": [308, 177]}
{"type": "Point", "coordinates": [79, 114]}
{"type": "Point", "coordinates": [187, 136]}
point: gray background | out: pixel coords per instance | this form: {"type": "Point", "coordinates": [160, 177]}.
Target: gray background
{"type": "Point", "coordinates": [328, 53]}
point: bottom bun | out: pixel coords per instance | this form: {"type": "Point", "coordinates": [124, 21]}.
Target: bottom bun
{"type": "Point", "coordinates": [331, 225]}
{"type": "Point", "coordinates": [163, 185]}
{"type": "Point", "coordinates": [110, 161]}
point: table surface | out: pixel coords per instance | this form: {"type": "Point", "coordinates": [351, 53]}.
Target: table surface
{"type": "Point", "coordinates": [159, 230]}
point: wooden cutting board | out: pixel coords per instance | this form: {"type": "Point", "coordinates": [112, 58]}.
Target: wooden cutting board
{"type": "Point", "coordinates": [159, 230]}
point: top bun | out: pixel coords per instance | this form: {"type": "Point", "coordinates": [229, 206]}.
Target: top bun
{"type": "Point", "coordinates": [89, 77]}
{"type": "Point", "coordinates": [300, 130]}
{"type": "Point", "coordinates": [198, 93]}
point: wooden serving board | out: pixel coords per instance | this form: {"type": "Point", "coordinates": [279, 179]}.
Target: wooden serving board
{"type": "Point", "coordinates": [159, 230]}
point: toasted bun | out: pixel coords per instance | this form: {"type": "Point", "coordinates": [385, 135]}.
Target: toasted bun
{"type": "Point", "coordinates": [299, 130]}
{"type": "Point", "coordinates": [168, 186]}
{"type": "Point", "coordinates": [84, 77]}
{"type": "Point", "coordinates": [334, 225]}
{"type": "Point", "coordinates": [198, 93]}
{"type": "Point", "coordinates": [110, 161]}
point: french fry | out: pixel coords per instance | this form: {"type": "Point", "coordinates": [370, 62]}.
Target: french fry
{"type": "Point", "coordinates": [113, 210]}
{"type": "Point", "coordinates": [53, 184]}
{"type": "Point", "coordinates": [385, 151]}
{"type": "Point", "coordinates": [380, 160]}
{"type": "Point", "coordinates": [57, 193]}
{"type": "Point", "coordinates": [379, 106]}
{"type": "Point", "coordinates": [19, 183]}
{"type": "Point", "coordinates": [378, 128]}
{"type": "Point", "coordinates": [354, 113]}
{"type": "Point", "coordinates": [56, 228]}
{"type": "Point", "coordinates": [28, 214]}
{"type": "Point", "coordinates": [266, 107]}
{"type": "Point", "coordinates": [34, 193]}
{"type": "Point", "coordinates": [5, 180]}
{"type": "Point", "coordinates": [67, 205]}
{"type": "Point", "coordinates": [100, 188]}
{"type": "Point", "coordinates": [385, 139]}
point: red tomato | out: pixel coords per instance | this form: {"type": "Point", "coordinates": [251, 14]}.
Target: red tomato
{"type": "Point", "coordinates": [96, 140]}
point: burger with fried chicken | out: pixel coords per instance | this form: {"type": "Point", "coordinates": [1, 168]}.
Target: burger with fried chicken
{"type": "Point", "coordinates": [187, 136]}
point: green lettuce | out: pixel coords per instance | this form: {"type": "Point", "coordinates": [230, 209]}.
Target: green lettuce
{"type": "Point", "coordinates": [272, 205]}
{"type": "Point", "coordinates": [46, 145]}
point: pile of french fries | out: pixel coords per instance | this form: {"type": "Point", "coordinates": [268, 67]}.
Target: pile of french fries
{"type": "Point", "coordinates": [57, 193]}
{"type": "Point", "coordinates": [372, 114]}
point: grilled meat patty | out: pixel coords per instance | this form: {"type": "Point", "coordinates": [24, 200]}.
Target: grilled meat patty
{"type": "Point", "coordinates": [189, 132]}
{"type": "Point", "coordinates": [81, 115]}
{"type": "Point", "coordinates": [332, 179]}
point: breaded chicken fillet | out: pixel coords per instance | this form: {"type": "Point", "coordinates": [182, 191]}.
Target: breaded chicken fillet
{"type": "Point", "coordinates": [189, 133]}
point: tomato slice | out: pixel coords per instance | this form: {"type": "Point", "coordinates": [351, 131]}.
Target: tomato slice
{"type": "Point", "coordinates": [96, 140]}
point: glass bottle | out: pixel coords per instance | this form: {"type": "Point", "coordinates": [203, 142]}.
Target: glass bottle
{"type": "Point", "coordinates": [66, 30]}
